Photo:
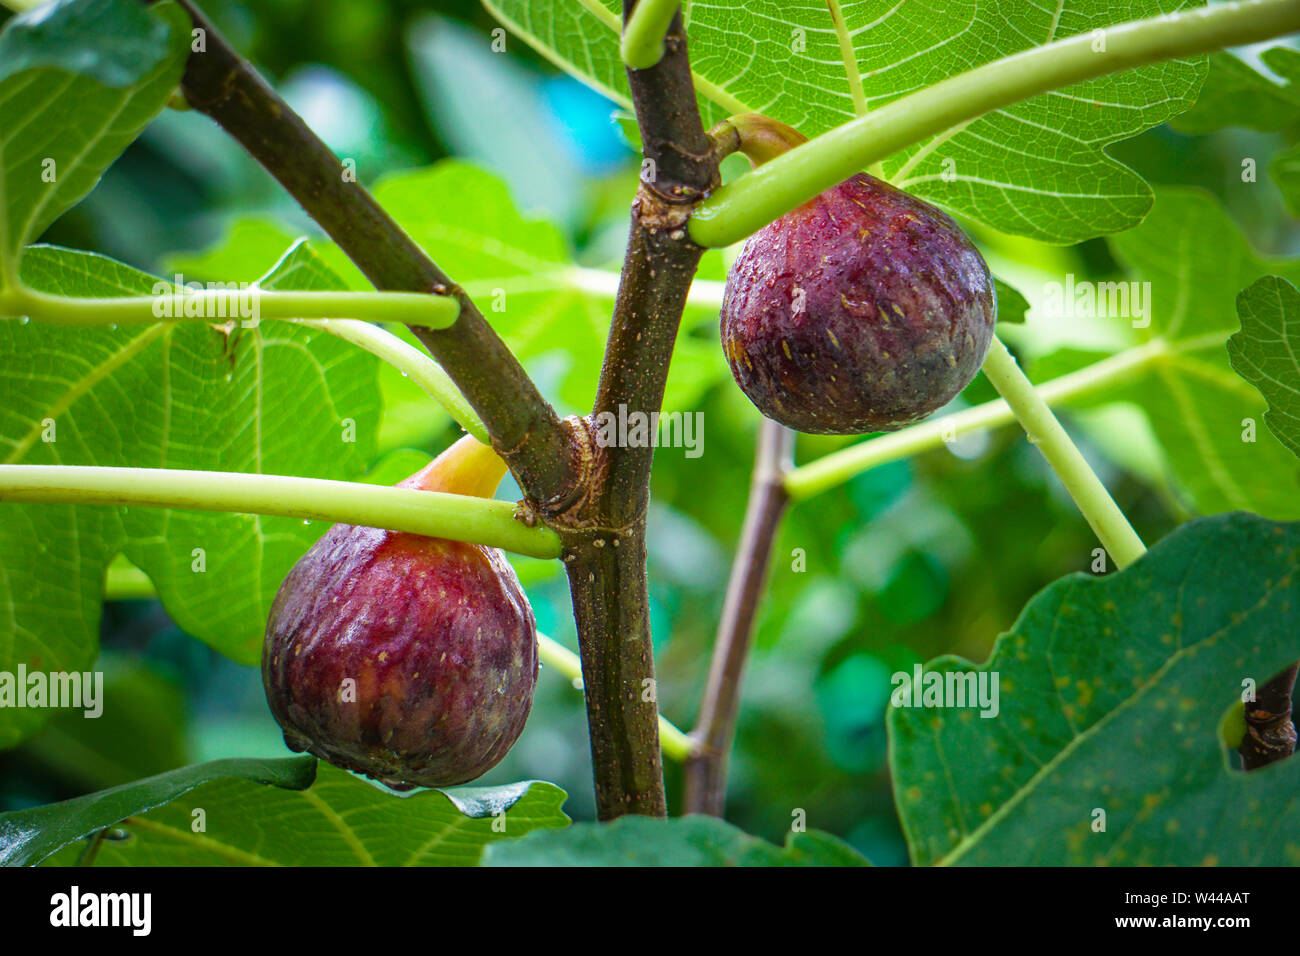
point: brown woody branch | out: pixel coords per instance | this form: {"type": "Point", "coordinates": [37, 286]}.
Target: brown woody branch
{"type": "Point", "coordinates": [605, 536]}
{"type": "Point", "coordinates": [1270, 734]}
{"type": "Point", "coordinates": [524, 427]}
{"type": "Point", "coordinates": [715, 728]}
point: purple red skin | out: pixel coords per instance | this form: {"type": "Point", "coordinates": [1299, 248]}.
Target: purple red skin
{"type": "Point", "coordinates": [865, 309]}
{"type": "Point", "coordinates": [436, 634]}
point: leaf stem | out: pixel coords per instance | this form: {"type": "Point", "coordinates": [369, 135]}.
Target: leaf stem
{"type": "Point", "coordinates": [1046, 433]}
{"type": "Point", "coordinates": [416, 365]}
{"type": "Point", "coordinates": [838, 467]}
{"type": "Point", "coordinates": [459, 517]}
{"type": "Point", "coordinates": [643, 37]}
{"type": "Point", "coordinates": [172, 305]}
{"type": "Point", "coordinates": [764, 194]}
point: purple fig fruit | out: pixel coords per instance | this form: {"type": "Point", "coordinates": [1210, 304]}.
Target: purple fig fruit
{"type": "Point", "coordinates": [864, 309]}
{"type": "Point", "coordinates": [407, 658]}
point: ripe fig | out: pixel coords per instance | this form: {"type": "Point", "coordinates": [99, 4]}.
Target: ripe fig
{"type": "Point", "coordinates": [864, 309]}
{"type": "Point", "coordinates": [407, 658]}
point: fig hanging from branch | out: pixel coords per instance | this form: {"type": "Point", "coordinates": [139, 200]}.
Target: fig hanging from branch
{"type": "Point", "coordinates": [410, 659]}
{"type": "Point", "coordinates": [865, 309]}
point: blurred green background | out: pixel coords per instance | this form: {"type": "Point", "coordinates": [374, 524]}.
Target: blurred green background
{"type": "Point", "coordinates": [935, 555]}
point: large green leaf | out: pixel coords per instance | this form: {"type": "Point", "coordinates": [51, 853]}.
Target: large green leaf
{"type": "Point", "coordinates": [683, 841]}
{"type": "Point", "coordinates": [1265, 352]}
{"type": "Point", "coordinates": [79, 79]}
{"type": "Point", "coordinates": [1111, 692]}
{"type": "Point", "coordinates": [272, 399]}
{"type": "Point", "coordinates": [30, 836]}
{"type": "Point", "coordinates": [340, 820]}
{"type": "Point", "coordinates": [1197, 260]}
{"type": "Point", "coordinates": [1205, 416]}
{"type": "Point", "coordinates": [1037, 168]}
{"type": "Point", "coordinates": [520, 272]}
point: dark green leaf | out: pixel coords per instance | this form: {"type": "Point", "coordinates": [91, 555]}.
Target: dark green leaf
{"type": "Point", "coordinates": [140, 729]}
{"type": "Point", "coordinates": [341, 820]}
{"type": "Point", "coordinates": [29, 836]}
{"type": "Point", "coordinates": [1111, 694]}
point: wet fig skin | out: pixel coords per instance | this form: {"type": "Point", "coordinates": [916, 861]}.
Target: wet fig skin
{"type": "Point", "coordinates": [865, 309]}
{"type": "Point", "coordinates": [436, 634]}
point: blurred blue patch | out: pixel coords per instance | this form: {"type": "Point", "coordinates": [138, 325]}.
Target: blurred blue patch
{"type": "Point", "coordinates": [490, 108]}
{"type": "Point", "coordinates": [584, 125]}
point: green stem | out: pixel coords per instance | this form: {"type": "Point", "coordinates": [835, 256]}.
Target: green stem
{"type": "Point", "coordinates": [704, 294]}
{"type": "Point", "coordinates": [838, 467]}
{"type": "Point", "coordinates": [416, 365]}
{"type": "Point", "coordinates": [674, 742]}
{"type": "Point", "coordinates": [643, 38]}
{"type": "Point", "coordinates": [459, 517]}
{"type": "Point", "coordinates": [1045, 432]}
{"type": "Point", "coordinates": [760, 138]}
{"type": "Point", "coordinates": [768, 192]}
{"type": "Point", "coordinates": [171, 305]}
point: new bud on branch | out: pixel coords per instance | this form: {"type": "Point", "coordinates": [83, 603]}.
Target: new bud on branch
{"type": "Point", "coordinates": [865, 309]}
{"type": "Point", "coordinates": [407, 658]}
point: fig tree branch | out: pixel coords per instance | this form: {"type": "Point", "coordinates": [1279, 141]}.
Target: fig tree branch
{"type": "Point", "coordinates": [553, 654]}
{"type": "Point", "coordinates": [604, 533]}
{"type": "Point", "coordinates": [524, 428]}
{"type": "Point", "coordinates": [459, 517]}
{"type": "Point", "coordinates": [764, 194]}
{"type": "Point", "coordinates": [1270, 733]}
{"type": "Point", "coordinates": [715, 727]}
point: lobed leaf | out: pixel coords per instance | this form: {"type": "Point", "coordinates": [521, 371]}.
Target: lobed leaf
{"type": "Point", "coordinates": [1038, 168]}
{"type": "Point", "coordinates": [1264, 352]}
{"type": "Point", "coordinates": [79, 80]}
{"type": "Point", "coordinates": [1105, 746]}
{"type": "Point", "coordinates": [29, 836]}
{"type": "Point", "coordinates": [336, 820]}
{"type": "Point", "coordinates": [275, 399]}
